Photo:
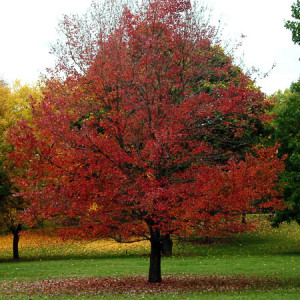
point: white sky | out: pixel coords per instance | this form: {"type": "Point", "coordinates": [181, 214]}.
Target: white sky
{"type": "Point", "coordinates": [27, 27]}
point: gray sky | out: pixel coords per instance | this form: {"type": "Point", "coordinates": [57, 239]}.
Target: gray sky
{"type": "Point", "coordinates": [28, 27]}
{"type": "Point", "coordinates": [267, 41]}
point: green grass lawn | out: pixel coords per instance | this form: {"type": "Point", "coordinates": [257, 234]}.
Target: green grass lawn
{"type": "Point", "coordinates": [271, 253]}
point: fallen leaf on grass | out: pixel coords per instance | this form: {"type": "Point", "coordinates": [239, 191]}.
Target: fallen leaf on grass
{"type": "Point", "coordinates": [137, 285]}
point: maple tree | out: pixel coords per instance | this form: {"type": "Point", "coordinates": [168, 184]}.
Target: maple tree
{"type": "Point", "coordinates": [148, 134]}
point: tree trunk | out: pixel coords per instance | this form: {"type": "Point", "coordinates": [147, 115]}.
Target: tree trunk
{"type": "Point", "coordinates": [16, 233]}
{"type": "Point", "coordinates": [155, 257]}
{"type": "Point", "coordinates": [167, 245]}
{"type": "Point", "coordinates": [244, 218]}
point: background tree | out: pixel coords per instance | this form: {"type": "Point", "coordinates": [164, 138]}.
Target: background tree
{"type": "Point", "coordinates": [125, 141]}
{"type": "Point", "coordinates": [294, 26]}
{"type": "Point", "coordinates": [14, 106]}
{"type": "Point", "coordinates": [287, 131]}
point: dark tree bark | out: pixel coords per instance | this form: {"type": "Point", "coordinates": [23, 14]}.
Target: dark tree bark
{"type": "Point", "coordinates": [206, 240]}
{"type": "Point", "coordinates": [16, 233]}
{"type": "Point", "coordinates": [167, 245]}
{"type": "Point", "coordinates": [244, 218]}
{"type": "Point", "coordinates": [155, 257]}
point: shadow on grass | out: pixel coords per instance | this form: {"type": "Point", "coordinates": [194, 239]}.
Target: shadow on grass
{"type": "Point", "coordinates": [287, 253]}
{"type": "Point", "coordinates": [71, 257]}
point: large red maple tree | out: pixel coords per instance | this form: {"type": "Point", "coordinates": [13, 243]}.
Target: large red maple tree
{"type": "Point", "coordinates": [153, 136]}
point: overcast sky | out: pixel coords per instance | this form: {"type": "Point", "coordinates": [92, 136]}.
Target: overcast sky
{"type": "Point", "coordinates": [28, 27]}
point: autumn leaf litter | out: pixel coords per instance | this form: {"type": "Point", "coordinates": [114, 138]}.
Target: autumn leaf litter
{"type": "Point", "coordinates": [137, 285]}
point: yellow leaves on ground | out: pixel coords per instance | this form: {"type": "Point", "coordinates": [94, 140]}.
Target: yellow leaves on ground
{"type": "Point", "coordinates": [265, 231]}
{"type": "Point", "coordinates": [111, 247]}
{"type": "Point", "coordinates": [35, 244]}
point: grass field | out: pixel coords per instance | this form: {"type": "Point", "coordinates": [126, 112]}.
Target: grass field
{"type": "Point", "coordinates": [264, 264]}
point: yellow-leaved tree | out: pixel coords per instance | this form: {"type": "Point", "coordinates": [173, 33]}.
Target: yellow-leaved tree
{"type": "Point", "coordinates": [14, 106]}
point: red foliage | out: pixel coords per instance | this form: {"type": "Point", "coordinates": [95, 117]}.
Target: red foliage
{"type": "Point", "coordinates": [137, 145]}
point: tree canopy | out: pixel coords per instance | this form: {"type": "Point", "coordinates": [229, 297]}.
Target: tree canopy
{"type": "Point", "coordinates": [287, 132]}
{"type": "Point", "coordinates": [294, 25]}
